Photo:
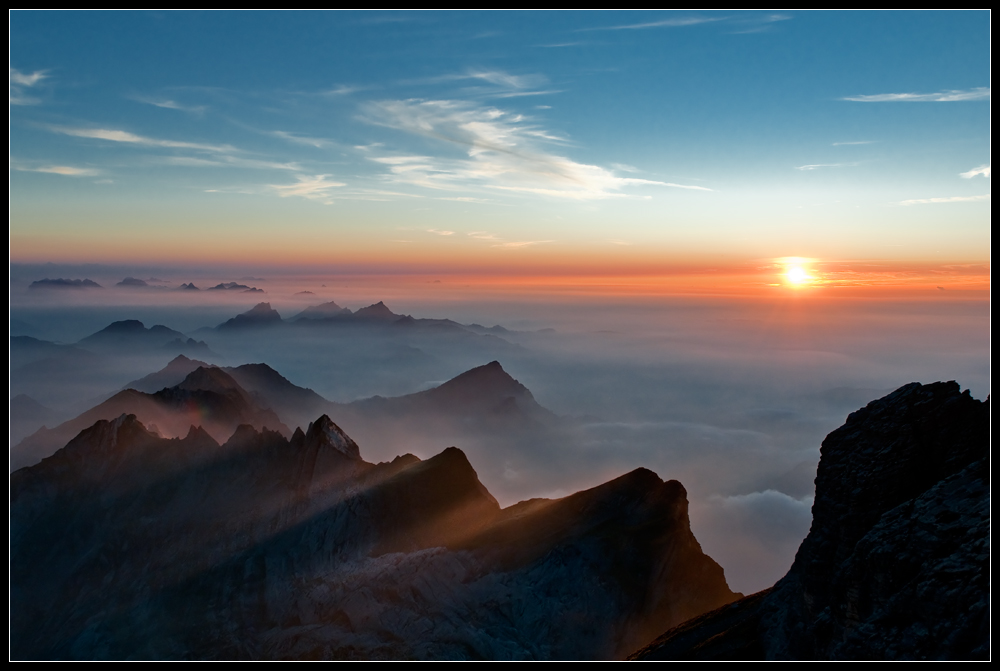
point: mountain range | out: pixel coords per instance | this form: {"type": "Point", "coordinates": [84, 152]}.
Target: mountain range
{"type": "Point", "coordinates": [236, 538]}
{"type": "Point", "coordinates": [188, 391]}
{"type": "Point", "coordinates": [129, 545]}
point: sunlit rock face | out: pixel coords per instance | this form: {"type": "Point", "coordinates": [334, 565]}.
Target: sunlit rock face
{"type": "Point", "coordinates": [125, 544]}
{"type": "Point", "coordinates": [896, 564]}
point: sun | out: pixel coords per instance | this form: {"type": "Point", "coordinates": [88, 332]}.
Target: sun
{"type": "Point", "coordinates": [797, 272]}
{"type": "Point", "coordinates": [797, 275]}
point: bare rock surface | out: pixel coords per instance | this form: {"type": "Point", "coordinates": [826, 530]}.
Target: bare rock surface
{"type": "Point", "coordinates": [896, 563]}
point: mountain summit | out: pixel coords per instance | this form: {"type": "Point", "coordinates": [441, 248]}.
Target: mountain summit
{"type": "Point", "coordinates": [896, 564]}
{"type": "Point", "coordinates": [259, 315]}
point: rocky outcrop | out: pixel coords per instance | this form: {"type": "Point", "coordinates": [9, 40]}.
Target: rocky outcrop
{"type": "Point", "coordinates": [896, 564]}
{"type": "Point", "coordinates": [128, 545]}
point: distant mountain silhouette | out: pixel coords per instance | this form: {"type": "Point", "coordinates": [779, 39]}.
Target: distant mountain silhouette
{"type": "Point", "coordinates": [322, 311]}
{"type": "Point", "coordinates": [486, 391]}
{"type": "Point", "coordinates": [376, 312]}
{"type": "Point", "coordinates": [897, 561]}
{"type": "Point", "coordinates": [64, 284]}
{"type": "Point", "coordinates": [125, 544]}
{"type": "Point", "coordinates": [169, 376]}
{"type": "Point", "coordinates": [260, 315]}
{"type": "Point", "coordinates": [232, 286]}
{"type": "Point", "coordinates": [487, 394]}
{"type": "Point", "coordinates": [128, 336]}
{"type": "Point", "coordinates": [132, 282]}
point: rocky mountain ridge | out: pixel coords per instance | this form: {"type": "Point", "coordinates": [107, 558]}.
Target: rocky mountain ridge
{"type": "Point", "coordinates": [896, 564]}
{"type": "Point", "coordinates": [128, 545]}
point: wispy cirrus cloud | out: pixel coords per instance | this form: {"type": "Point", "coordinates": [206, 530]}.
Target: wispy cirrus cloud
{"type": "Point", "coordinates": [121, 136]}
{"type": "Point", "coordinates": [951, 199]}
{"type": "Point", "coordinates": [758, 24]}
{"type": "Point", "coordinates": [500, 243]}
{"type": "Point", "coordinates": [66, 170]}
{"type": "Point", "coordinates": [665, 23]}
{"type": "Point", "coordinates": [437, 231]}
{"type": "Point", "coordinates": [20, 82]}
{"type": "Point", "coordinates": [313, 187]}
{"type": "Point", "coordinates": [212, 155]}
{"type": "Point", "coordinates": [344, 90]}
{"type": "Point", "coordinates": [979, 93]}
{"type": "Point", "coordinates": [226, 161]}
{"type": "Point", "coordinates": [983, 170]}
{"type": "Point", "coordinates": [487, 83]}
{"type": "Point", "coordinates": [817, 166]}
{"type": "Point", "coordinates": [486, 147]}
{"type": "Point", "coordinates": [304, 140]}
{"type": "Point", "coordinates": [170, 104]}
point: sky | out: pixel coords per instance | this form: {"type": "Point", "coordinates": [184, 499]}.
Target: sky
{"type": "Point", "coordinates": [741, 225]}
{"type": "Point", "coordinates": [807, 148]}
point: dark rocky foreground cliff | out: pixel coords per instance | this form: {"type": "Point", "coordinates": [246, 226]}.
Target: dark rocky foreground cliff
{"type": "Point", "coordinates": [896, 564]}
{"type": "Point", "coordinates": [128, 545]}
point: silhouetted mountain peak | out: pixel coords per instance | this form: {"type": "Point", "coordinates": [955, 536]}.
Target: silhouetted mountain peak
{"type": "Point", "coordinates": [323, 433]}
{"type": "Point", "coordinates": [132, 282]}
{"type": "Point", "coordinates": [322, 311]}
{"type": "Point", "coordinates": [261, 310]}
{"type": "Point", "coordinates": [261, 314]}
{"type": "Point", "coordinates": [376, 311]}
{"type": "Point", "coordinates": [196, 433]}
{"type": "Point", "coordinates": [181, 361]}
{"type": "Point", "coordinates": [124, 326]}
{"type": "Point", "coordinates": [487, 382]}
{"type": "Point", "coordinates": [209, 378]}
{"type": "Point", "coordinates": [64, 284]}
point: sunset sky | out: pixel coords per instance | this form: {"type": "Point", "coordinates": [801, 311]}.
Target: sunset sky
{"type": "Point", "coordinates": [615, 143]}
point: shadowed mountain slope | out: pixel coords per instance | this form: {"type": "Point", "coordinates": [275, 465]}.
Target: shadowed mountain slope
{"type": "Point", "coordinates": [896, 564]}
{"type": "Point", "coordinates": [483, 391]}
{"type": "Point", "coordinates": [130, 335]}
{"type": "Point", "coordinates": [125, 544]}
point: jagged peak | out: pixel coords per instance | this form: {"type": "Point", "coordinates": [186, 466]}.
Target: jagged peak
{"type": "Point", "coordinates": [199, 434]}
{"type": "Point", "coordinates": [376, 311]}
{"type": "Point", "coordinates": [325, 433]}
{"type": "Point", "coordinates": [243, 434]}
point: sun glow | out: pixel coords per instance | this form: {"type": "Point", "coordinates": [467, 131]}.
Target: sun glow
{"type": "Point", "coordinates": [796, 271]}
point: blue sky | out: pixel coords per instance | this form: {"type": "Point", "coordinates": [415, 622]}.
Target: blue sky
{"type": "Point", "coordinates": [440, 136]}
